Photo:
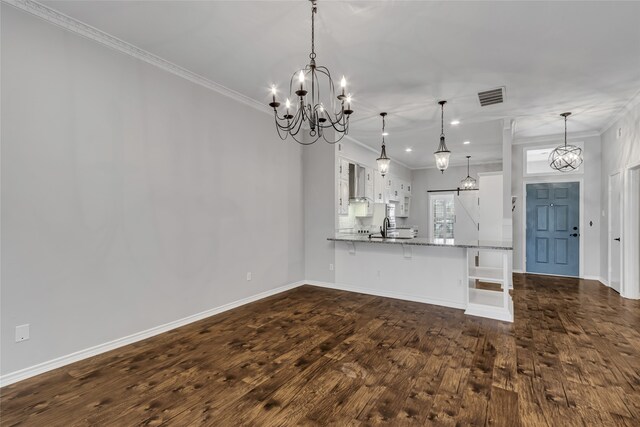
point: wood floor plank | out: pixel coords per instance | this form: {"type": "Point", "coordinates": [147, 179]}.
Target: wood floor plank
{"type": "Point", "coordinates": [313, 357]}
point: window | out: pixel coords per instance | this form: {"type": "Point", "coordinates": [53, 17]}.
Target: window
{"type": "Point", "coordinates": [536, 160]}
{"type": "Point", "coordinates": [442, 216]}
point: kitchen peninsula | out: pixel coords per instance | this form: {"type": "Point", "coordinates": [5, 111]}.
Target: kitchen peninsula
{"type": "Point", "coordinates": [435, 271]}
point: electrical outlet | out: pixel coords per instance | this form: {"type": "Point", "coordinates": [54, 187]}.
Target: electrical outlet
{"type": "Point", "coordinates": [22, 333]}
{"type": "Point", "coordinates": [330, 267]}
{"type": "Point", "coordinates": [249, 276]}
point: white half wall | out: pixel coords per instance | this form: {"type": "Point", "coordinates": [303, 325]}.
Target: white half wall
{"type": "Point", "coordinates": [433, 275]}
{"type": "Point", "coordinates": [130, 197]}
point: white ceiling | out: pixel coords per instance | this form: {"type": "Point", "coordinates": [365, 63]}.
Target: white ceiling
{"type": "Point", "coordinates": [403, 56]}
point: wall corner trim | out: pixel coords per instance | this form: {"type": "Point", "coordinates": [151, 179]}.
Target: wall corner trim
{"type": "Point", "coordinates": [23, 374]}
{"type": "Point", "coordinates": [75, 26]}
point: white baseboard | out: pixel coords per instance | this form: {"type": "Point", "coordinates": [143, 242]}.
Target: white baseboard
{"type": "Point", "coordinates": [518, 271]}
{"type": "Point", "coordinates": [388, 294]}
{"type": "Point", "coordinates": [604, 281]}
{"type": "Point", "coordinates": [58, 362]}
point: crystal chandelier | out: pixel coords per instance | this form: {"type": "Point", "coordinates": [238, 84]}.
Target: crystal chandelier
{"type": "Point", "coordinates": [469, 183]}
{"type": "Point", "coordinates": [565, 158]}
{"type": "Point", "coordinates": [311, 114]}
{"type": "Point", "coordinates": [443, 153]}
{"type": "Point", "coordinates": [383, 160]}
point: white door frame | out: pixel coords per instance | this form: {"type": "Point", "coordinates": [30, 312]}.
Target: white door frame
{"type": "Point", "coordinates": [609, 223]}
{"type": "Point", "coordinates": [630, 286]}
{"type": "Point", "coordinates": [550, 180]}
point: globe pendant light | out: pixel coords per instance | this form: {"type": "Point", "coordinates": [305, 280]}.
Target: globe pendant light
{"type": "Point", "coordinates": [565, 158]}
{"type": "Point", "coordinates": [469, 183]}
{"type": "Point", "coordinates": [383, 160]}
{"type": "Point", "coordinates": [315, 112]}
{"type": "Point", "coordinates": [442, 154]}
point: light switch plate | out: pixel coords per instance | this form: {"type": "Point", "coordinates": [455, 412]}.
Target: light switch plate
{"type": "Point", "coordinates": [22, 333]}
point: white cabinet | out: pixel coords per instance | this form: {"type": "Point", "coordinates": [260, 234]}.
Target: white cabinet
{"type": "Point", "coordinates": [343, 197]}
{"type": "Point", "coordinates": [378, 188]}
{"type": "Point", "coordinates": [343, 169]}
{"type": "Point", "coordinates": [343, 186]}
{"type": "Point", "coordinates": [369, 184]}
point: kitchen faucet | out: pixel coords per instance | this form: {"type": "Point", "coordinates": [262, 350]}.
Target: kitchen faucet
{"type": "Point", "coordinates": [385, 226]}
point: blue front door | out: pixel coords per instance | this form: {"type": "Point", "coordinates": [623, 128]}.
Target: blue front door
{"type": "Point", "coordinates": [553, 237]}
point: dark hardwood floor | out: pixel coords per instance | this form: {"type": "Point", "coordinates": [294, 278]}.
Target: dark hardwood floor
{"type": "Point", "coordinates": [314, 356]}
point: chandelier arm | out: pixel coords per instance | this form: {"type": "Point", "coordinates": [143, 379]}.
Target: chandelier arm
{"type": "Point", "coordinates": [280, 134]}
{"type": "Point", "coordinates": [340, 126]}
{"type": "Point", "coordinates": [332, 142]}
{"type": "Point", "coordinates": [297, 123]}
{"type": "Point", "coordinates": [290, 124]}
{"type": "Point", "coordinates": [332, 91]}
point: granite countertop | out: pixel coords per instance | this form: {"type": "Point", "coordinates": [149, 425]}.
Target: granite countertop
{"type": "Point", "coordinates": [423, 241]}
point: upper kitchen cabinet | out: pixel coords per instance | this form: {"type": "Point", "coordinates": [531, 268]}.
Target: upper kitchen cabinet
{"type": "Point", "coordinates": [369, 184]}
{"type": "Point", "coordinates": [343, 186]}
{"type": "Point", "coordinates": [378, 188]}
{"type": "Point", "coordinates": [343, 197]}
{"type": "Point", "coordinates": [343, 169]}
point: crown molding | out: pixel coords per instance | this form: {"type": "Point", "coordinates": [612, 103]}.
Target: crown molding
{"type": "Point", "coordinates": [635, 100]}
{"type": "Point", "coordinates": [78, 27]}
{"type": "Point", "coordinates": [555, 137]}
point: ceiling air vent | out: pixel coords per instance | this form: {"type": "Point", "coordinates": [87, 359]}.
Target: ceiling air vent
{"type": "Point", "coordinates": [490, 97]}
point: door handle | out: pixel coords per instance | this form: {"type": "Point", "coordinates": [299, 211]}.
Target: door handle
{"type": "Point", "coordinates": [574, 235]}
{"type": "Point", "coordinates": [617, 239]}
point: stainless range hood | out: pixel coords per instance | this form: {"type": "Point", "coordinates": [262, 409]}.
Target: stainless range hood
{"type": "Point", "coordinates": [357, 183]}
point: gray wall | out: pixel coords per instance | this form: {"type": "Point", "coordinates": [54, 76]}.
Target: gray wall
{"type": "Point", "coordinates": [591, 193]}
{"type": "Point", "coordinates": [617, 154]}
{"type": "Point", "coordinates": [130, 197]}
{"type": "Point", "coordinates": [319, 165]}
{"type": "Point", "coordinates": [433, 179]}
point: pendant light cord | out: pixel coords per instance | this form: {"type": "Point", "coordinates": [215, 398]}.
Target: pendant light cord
{"type": "Point", "coordinates": [441, 119]}
{"type": "Point", "coordinates": [383, 131]}
{"type": "Point", "coordinates": [565, 131]}
{"type": "Point", "coordinates": [312, 55]}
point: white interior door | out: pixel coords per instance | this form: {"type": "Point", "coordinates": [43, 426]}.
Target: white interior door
{"type": "Point", "coordinates": [615, 231]}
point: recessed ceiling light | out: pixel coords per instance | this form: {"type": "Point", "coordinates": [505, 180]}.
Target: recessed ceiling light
{"type": "Point", "coordinates": [467, 142]}
{"type": "Point", "coordinates": [408, 150]}
{"type": "Point", "coordinates": [455, 122]}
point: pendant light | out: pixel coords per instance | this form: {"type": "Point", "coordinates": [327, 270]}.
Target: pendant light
{"type": "Point", "coordinates": [566, 158]}
{"type": "Point", "coordinates": [469, 183]}
{"type": "Point", "coordinates": [442, 154]}
{"type": "Point", "coordinates": [383, 160]}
